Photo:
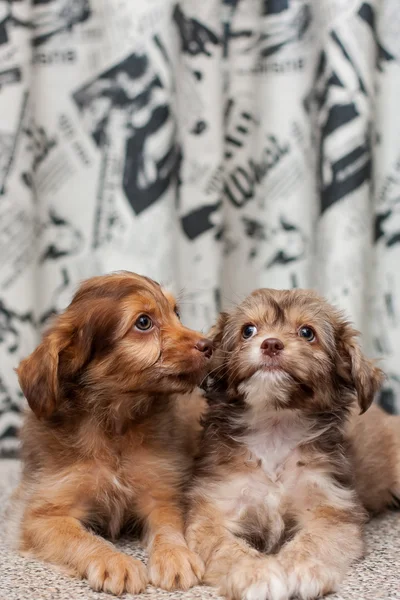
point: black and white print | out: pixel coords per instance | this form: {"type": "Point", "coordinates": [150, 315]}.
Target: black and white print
{"type": "Point", "coordinates": [52, 18]}
{"type": "Point", "coordinates": [12, 16]}
{"type": "Point", "coordinates": [129, 102]}
{"type": "Point", "coordinates": [216, 146]}
{"type": "Point", "coordinates": [13, 327]}
{"type": "Point", "coordinates": [11, 408]}
{"type": "Point", "coordinates": [59, 238]}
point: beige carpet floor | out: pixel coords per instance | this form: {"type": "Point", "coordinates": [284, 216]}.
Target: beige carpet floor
{"type": "Point", "coordinates": [374, 578]}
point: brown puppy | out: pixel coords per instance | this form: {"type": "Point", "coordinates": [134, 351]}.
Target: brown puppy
{"type": "Point", "coordinates": [103, 444]}
{"type": "Point", "coordinates": [274, 470]}
{"type": "Point", "coordinates": [374, 449]}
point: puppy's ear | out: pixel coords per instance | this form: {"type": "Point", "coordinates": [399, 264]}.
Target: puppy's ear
{"type": "Point", "coordinates": [365, 376]}
{"type": "Point", "coordinates": [215, 383]}
{"type": "Point", "coordinates": [75, 338]}
{"type": "Point", "coordinates": [38, 376]}
{"type": "Point", "coordinates": [217, 331]}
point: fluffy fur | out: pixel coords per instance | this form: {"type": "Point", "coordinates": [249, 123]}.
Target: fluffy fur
{"type": "Point", "coordinates": [105, 442]}
{"type": "Point", "coordinates": [281, 439]}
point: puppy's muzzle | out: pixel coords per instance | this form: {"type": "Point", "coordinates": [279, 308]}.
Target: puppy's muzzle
{"type": "Point", "coordinates": [205, 346]}
{"type": "Point", "coordinates": [272, 346]}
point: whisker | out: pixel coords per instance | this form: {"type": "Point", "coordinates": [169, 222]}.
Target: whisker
{"type": "Point", "coordinates": [220, 367]}
{"type": "Point", "coordinates": [214, 371]}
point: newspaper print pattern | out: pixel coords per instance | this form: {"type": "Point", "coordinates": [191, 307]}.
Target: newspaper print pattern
{"type": "Point", "coordinates": [216, 146]}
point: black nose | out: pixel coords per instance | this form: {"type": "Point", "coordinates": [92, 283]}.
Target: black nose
{"type": "Point", "coordinates": [272, 346]}
{"type": "Point", "coordinates": [205, 346]}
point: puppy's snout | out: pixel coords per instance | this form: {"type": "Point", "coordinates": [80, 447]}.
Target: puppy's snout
{"type": "Point", "coordinates": [205, 346]}
{"type": "Point", "coordinates": [272, 346]}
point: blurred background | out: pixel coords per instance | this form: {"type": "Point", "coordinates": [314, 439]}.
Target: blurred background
{"type": "Point", "coordinates": [216, 146]}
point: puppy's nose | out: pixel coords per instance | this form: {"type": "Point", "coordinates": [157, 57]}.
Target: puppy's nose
{"type": "Point", "coordinates": [205, 346]}
{"type": "Point", "coordinates": [272, 346]}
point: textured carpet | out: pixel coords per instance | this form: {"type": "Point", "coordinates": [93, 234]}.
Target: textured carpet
{"type": "Point", "coordinates": [375, 577]}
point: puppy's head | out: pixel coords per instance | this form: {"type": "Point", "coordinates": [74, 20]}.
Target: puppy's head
{"type": "Point", "coordinates": [121, 336]}
{"type": "Point", "coordinates": [290, 349]}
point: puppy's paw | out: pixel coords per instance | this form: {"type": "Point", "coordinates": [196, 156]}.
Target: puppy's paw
{"type": "Point", "coordinates": [310, 580]}
{"type": "Point", "coordinates": [175, 567]}
{"type": "Point", "coordinates": [257, 579]}
{"type": "Point", "coordinates": [116, 573]}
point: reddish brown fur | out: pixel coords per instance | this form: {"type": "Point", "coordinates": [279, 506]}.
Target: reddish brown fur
{"type": "Point", "coordinates": [275, 460]}
{"type": "Point", "coordinates": [105, 443]}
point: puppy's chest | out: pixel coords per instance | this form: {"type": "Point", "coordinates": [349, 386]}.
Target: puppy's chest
{"type": "Point", "coordinates": [271, 452]}
{"type": "Point", "coordinates": [271, 473]}
{"type": "Point", "coordinates": [261, 494]}
{"type": "Point", "coordinates": [117, 482]}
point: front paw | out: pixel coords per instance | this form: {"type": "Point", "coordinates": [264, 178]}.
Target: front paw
{"type": "Point", "coordinates": [257, 579]}
{"type": "Point", "coordinates": [116, 573]}
{"type": "Point", "coordinates": [309, 580]}
{"type": "Point", "coordinates": [175, 567]}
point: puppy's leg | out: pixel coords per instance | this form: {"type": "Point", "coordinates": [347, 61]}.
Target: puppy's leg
{"type": "Point", "coordinates": [239, 571]}
{"type": "Point", "coordinates": [171, 564]}
{"type": "Point", "coordinates": [317, 559]}
{"type": "Point", "coordinates": [61, 539]}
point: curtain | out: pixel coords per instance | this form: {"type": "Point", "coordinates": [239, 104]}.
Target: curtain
{"type": "Point", "coordinates": [216, 146]}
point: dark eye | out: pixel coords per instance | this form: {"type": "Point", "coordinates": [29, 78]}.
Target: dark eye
{"type": "Point", "coordinates": [178, 314]}
{"type": "Point", "coordinates": [307, 333]}
{"type": "Point", "coordinates": [248, 331]}
{"type": "Point", "coordinates": [143, 323]}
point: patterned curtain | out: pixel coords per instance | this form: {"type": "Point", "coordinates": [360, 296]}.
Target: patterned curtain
{"type": "Point", "coordinates": [216, 146]}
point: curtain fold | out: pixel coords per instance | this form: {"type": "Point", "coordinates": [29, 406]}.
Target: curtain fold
{"type": "Point", "coordinates": [216, 146]}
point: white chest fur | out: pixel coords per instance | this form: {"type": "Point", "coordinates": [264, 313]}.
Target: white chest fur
{"type": "Point", "coordinates": [273, 440]}
{"type": "Point", "coordinates": [254, 500]}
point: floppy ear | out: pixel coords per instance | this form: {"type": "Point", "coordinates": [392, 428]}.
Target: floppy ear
{"type": "Point", "coordinates": [365, 376]}
{"type": "Point", "coordinates": [64, 351]}
{"type": "Point", "coordinates": [38, 376]}
{"type": "Point", "coordinates": [215, 383]}
{"type": "Point", "coordinates": [217, 331]}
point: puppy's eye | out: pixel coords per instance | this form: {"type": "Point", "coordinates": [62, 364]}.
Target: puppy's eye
{"type": "Point", "coordinates": [248, 331]}
{"type": "Point", "coordinates": [176, 311]}
{"type": "Point", "coordinates": [143, 323]}
{"type": "Point", "coordinates": [307, 333]}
